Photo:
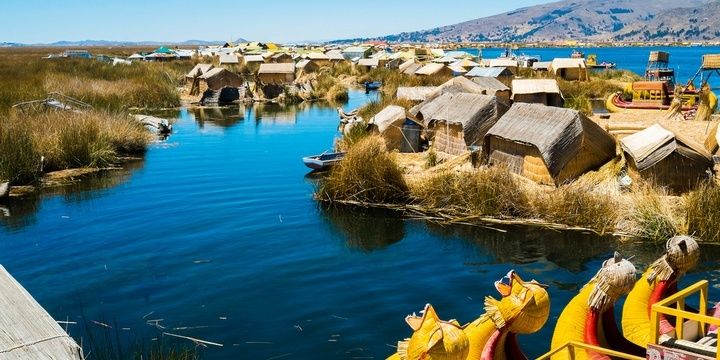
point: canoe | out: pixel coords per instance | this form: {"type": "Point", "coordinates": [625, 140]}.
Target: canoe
{"type": "Point", "coordinates": [372, 85]}
{"type": "Point", "coordinates": [323, 162]}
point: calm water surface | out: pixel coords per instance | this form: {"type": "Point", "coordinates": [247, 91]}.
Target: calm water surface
{"type": "Point", "coordinates": [217, 229]}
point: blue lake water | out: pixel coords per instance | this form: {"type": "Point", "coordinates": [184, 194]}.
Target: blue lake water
{"type": "Point", "coordinates": [216, 232]}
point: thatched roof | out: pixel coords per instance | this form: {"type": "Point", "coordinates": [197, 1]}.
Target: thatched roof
{"type": "Point", "coordinates": [430, 69]}
{"type": "Point", "coordinates": [410, 70]}
{"type": "Point", "coordinates": [650, 146]}
{"type": "Point", "coordinates": [198, 70]}
{"type": "Point", "coordinates": [414, 93]}
{"type": "Point", "coordinates": [213, 72]}
{"type": "Point", "coordinates": [501, 62]}
{"type": "Point", "coordinates": [387, 117]}
{"type": "Point", "coordinates": [302, 63]}
{"type": "Point", "coordinates": [541, 65]}
{"type": "Point", "coordinates": [405, 65]}
{"type": "Point", "coordinates": [457, 85]}
{"type": "Point", "coordinates": [229, 59]}
{"type": "Point", "coordinates": [254, 58]}
{"type": "Point", "coordinates": [567, 63]}
{"type": "Point", "coordinates": [335, 55]}
{"type": "Point", "coordinates": [557, 133]}
{"type": "Point", "coordinates": [318, 56]}
{"type": "Point", "coordinates": [28, 331]}
{"type": "Point", "coordinates": [465, 63]}
{"type": "Point", "coordinates": [492, 72]}
{"type": "Point", "coordinates": [490, 85]}
{"type": "Point", "coordinates": [283, 68]}
{"type": "Point", "coordinates": [368, 62]}
{"type": "Point", "coordinates": [445, 60]}
{"type": "Point", "coordinates": [535, 86]}
{"type": "Point", "coordinates": [458, 70]}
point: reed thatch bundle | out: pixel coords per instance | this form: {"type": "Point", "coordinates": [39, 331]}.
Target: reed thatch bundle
{"type": "Point", "coordinates": [615, 278]}
{"type": "Point", "coordinates": [704, 111]}
{"type": "Point", "coordinates": [675, 110]}
{"type": "Point", "coordinates": [681, 254]}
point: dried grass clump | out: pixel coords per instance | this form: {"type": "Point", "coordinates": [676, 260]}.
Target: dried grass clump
{"type": "Point", "coordinates": [356, 132]}
{"type": "Point", "coordinates": [483, 192]}
{"type": "Point", "coordinates": [19, 159]}
{"type": "Point", "coordinates": [371, 108]}
{"type": "Point", "coordinates": [650, 215]}
{"type": "Point", "coordinates": [577, 204]}
{"type": "Point", "coordinates": [367, 174]}
{"type": "Point", "coordinates": [703, 212]}
{"type": "Point", "coordinates": [66, 140]}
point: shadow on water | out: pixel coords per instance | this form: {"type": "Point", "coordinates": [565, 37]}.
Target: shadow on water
{"type": "Point", "coordinates": [18, 213]}
{"type": "Point", "coordinates": [364, 230]}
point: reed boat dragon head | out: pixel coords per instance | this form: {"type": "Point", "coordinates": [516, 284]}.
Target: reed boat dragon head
{"type": "Point", "coordinates": [433, 338]}
{"type": "Point", "coordinates": [524, 307]}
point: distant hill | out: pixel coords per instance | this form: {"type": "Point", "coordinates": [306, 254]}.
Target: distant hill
{"type": "Point", "coordinates": [599, 20]}
{"type": "Point", "coordinates": [701, 23]}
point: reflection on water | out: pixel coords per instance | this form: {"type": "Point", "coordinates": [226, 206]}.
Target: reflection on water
{"type": "Point", "coordinates": [224, 116]}
{"type": "Point", "coordinates": [19, 212]}
{"type": "Point", "coordinates": [364, 229]}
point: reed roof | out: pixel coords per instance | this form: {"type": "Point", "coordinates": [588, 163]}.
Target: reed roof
{"type": "Point", "coordinates": [535, 86]}
{"type": "Point", "coordinates": [430, 69]}
{"type": "Point", "coordinates": [650, 146]}
{"type": "Point", "coordinates": [198, 70]}
{"type": "Point", "coordinates": [281, 68]}
{"type": "Point", "coordinates": [414, 93]}
{"type": "Point", "coordinates": [388, 116]}
{"type": "Point", "coordinates": [492, 72]}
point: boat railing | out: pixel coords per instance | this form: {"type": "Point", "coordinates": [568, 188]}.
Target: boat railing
{"type": "Point", "coordinates": [573, 347]}
{"type": "Point", "coordinates": [674, 306]}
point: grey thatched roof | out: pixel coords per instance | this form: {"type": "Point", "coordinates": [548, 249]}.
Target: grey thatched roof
{"type": "Point", "coordinates": [410, 69]}
{"type": "Point", "coordinates": [557, 133]}
{"type": "Point", "coordinates": [490, 84]}
{"type": "Point", "coordinates": [388, 116]}
{"type": "Point", "coordinates": [212, 72]}
{"type": "Point", "coordinates": [430, 69]}
{"type": "Point", "coordinates": [458, 85]}
{"type": "Point", "coordinates": [228, 59]}
{"type": "Point", "coordinates": [254, 58]}
{"type": "Point", "coordinates": [28, 331]}
{"type": "Point", "coordinates": [282, 68]}
{"type": "Point", "coordinates": [368, 62]}
{"type": "Point", "coordinates": [414, 93]}
{"type": "Point", "coordinates": [650, 146]}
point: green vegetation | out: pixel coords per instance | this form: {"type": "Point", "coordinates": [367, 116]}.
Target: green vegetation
{"type": "Point", "coordinates": [368, 174]}
{"type": "Point", "coordinates": [579, 93]}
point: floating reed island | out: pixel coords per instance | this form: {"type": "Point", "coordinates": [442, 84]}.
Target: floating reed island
{"type": "Point", "coordinates": [528, 149]}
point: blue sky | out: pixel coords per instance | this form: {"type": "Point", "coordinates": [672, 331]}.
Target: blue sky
{"type": "Point", "coordinates": [44, 21]}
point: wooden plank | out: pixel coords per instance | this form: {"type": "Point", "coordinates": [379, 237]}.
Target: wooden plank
{"type": "Point", "coordinates": [27, 331]}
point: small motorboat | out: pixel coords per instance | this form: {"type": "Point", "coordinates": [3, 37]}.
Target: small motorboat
{"type": "Point", "coordinates": [324, 161]}
{"type": "Point", "coordinates": [372, 85]}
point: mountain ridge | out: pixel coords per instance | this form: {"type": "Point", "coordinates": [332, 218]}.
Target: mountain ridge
{"type": "Point", "coordinates": [582, 20]}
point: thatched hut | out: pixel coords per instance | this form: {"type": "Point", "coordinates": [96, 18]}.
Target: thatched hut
{"type": "Point", "coordinates": [277, 74]}
{"type": "Point", "coordinates": [254, 59]}
{"type": "Point", "coordinates": [661, 155]}
{"type": "Point", "coordinates": [368, 64]}
{"type": "Point", "coordinates": [281, 58]}
{"type": "Point", "coordinates": [549, 145]}
{"type": "Point", "coordinates": [434, 69]}
{"type": "Point", "coordinates": [319, 58]}
{"type": "Point", "coordinates": [399, 132]}
{"type": "Point", "coordinates": [307, 66]}
{"type": "Point", "coordinates": [218, 78]}
{"type": "Point", "coordinates": [569, 69]}
{"type": "Point", "coordinates": [541, 66]}
{"type": "Point", "coordinates": [409, 67]}
{"type": "Point", "coordinates": [335, 56]}
{"type": "Point", "coordinates": [502, 74]}
{"type": "Point", "coordinates": [458, 121]}
{"type": "Point", "coordinates": [199, 69]}
{"type": "Point", "coordinates": [537, 91]}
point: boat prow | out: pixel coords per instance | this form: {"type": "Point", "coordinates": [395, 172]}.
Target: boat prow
{"type": "Point", "coordinates": [323, 162]}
